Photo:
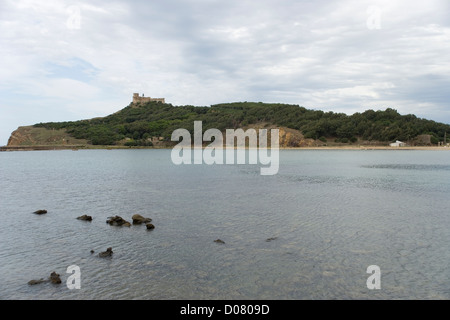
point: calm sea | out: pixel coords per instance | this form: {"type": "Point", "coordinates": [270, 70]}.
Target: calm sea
{"type": "Point", "coordinates": [308, 232]}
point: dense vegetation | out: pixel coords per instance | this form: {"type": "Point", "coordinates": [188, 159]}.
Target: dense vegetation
{"type": "Point", "coordinates": [154, 119]}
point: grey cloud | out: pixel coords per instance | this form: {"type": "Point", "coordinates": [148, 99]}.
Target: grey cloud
{"type": "Point", "coordinates": [312, 53]}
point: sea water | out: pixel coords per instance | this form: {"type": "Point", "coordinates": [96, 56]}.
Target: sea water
{"type": "Point", "coordinates": [309, 232]}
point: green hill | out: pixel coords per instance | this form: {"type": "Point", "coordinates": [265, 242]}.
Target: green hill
{"type": "Point", "coordinates": [151, 123]}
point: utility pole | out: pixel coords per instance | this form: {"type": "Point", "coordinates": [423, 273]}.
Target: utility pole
{"type": "Point", "coordinates": [445, 138]}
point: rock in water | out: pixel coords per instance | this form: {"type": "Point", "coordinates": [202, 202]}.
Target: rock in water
{"type": "Point", "coordinates": [150, 226]}
{"type": "Point", "coordinates": [33, 282]}
{"type": "Point", "coordinates": [219, 241]}
{"type": "Point", "coordinates": [107, 253]}
{"type": "Point", "coordinates": [55, 278]}
{"type": "Point", "coordinates": [85, 218]}
{"type": "Point", "coordinates": [138, 219]}
{"type": "Point", "coordinates": [40, 212]}
{"type": "Point", "coordinates": [118, 221]}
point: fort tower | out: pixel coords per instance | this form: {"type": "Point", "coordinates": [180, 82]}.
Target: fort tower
{"type": "Point", "coordinates": [138, 99]}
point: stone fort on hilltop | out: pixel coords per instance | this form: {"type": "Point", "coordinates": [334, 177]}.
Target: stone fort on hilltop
{"type": "Point", "coordinates": [138, 99]}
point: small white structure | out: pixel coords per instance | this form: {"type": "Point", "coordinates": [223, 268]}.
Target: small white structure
{"type": "Point", "coordinates": [397, 144]}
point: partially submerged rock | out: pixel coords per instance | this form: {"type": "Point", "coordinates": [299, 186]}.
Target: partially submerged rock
{"type": "Point", "coordinates": [34, 282]}
{"type": "Point", "coordinates": [118, 221]}
{"type": "Point", "coordinates": [107, 253]}
{"type": "Point", "coordinates": [40, 212]}
{"type": "Point", "coordinates": [138, 219]}
{"type": "Point", "coordinates": [219, 241]}
{"type": "Point", "coordinates": [271, 239]}
{"type": "Point", "coordinates": [85, 218]}
{"type": "Point", "coordinates": [55, 278]}
{"type": "Point", "coordinates": [150, 226]}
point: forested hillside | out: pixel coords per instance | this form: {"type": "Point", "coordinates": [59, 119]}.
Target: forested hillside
{"type": "Point", "coordinates": [137, 124]}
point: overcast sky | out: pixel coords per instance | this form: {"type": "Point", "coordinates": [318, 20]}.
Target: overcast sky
{"type": "Point", "coordinates": [71, 60]}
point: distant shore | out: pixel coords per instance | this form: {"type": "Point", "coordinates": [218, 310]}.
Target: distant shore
{"type": "Point", "coordinates": [92, 147]}
{"type": "Point", "coordinates": [361, 147]}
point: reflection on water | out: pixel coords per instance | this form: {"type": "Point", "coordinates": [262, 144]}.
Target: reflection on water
{"type": "Point", "coordinates": [328, 215]}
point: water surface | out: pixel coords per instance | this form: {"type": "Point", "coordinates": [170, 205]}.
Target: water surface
{"type": "Point", "coordinates": [309, 232]}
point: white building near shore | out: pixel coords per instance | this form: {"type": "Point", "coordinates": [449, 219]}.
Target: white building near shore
{"type": "Point", "coordinates": [398, 144]}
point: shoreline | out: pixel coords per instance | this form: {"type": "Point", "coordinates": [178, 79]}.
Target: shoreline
{"type": "Point", "coordinates": [436, 148]}
{"type": "Point", "coordinates": [91, 147]}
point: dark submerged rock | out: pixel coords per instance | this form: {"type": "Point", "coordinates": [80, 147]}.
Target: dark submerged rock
{"type": "Point", "coordinates": [34, 282]}
{"type": "Point", "coordinates": [219, 241]}
{"type": "Point", "coordinates": [138, 219]}
{"type": "Point", "coordinates": [85, 218]}
{"type": "Point", "coordinates": [150, 226]}
{"type": "Point", "coordinates": [118, 221]}
{"type": "Point", "coordinates": [107, 253]}
{"type": "Point", "coordinates": [55, 278]}
{"type": "Point", "coordinates": [40, 212]}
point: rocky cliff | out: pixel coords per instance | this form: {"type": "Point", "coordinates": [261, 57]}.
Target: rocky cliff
{"type": "Point", "coordinates": [291, 138]}
{"type": "Point", "coordinates": [31, 136]}
{"type": "Point", "coordinates": [288, 138]}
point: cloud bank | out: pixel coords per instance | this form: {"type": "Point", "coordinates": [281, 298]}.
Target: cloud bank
{"type": "Point", "coordinates": [70, 60]}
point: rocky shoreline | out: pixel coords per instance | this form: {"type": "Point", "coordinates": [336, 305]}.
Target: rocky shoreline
{"type": "Point", "coordinates": [40, 148]}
